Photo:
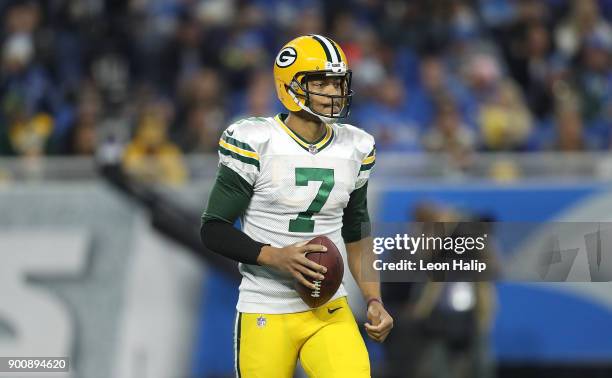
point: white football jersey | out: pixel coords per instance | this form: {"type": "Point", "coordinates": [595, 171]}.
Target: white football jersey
{"type": "Point", "coordinates": [300, 191]}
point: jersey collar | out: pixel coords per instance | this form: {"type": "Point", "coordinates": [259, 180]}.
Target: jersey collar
{"type": "Point", "coordinates": [313, 147]}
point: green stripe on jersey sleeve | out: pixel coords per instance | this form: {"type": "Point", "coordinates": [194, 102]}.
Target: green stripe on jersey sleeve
{"type": "Point", "coordinates": [369, 161]}
{"type": "Point", "coordinates": [237, 143]}
{"type": "Point", "coordinates": [366, 167]}
{"type": "Point", "coordinates": [244, 159]}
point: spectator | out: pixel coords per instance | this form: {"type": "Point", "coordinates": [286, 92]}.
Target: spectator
{"type": "Point", "coordinates": [186, 53]}
{"type": "Point", "coordinates": [569, 130]}
{"type": "Point", "coordinates": [306, 21]}
{"type": "Point", "coordinates": [82, 137]}
{"type": "Point", "coordinates": [259, 100]}
{"type": "Point", "coordinates": [368, 66]}
{"type": "Point", "coordinates": [594, 77]}
{"type": "Point", "coordinates": [151, 157]}
{"type": "Point", "coordinates": [534, 67]}
{"type": "Point", "coordinates": [450, 135]}
{"type": "Point", "coordinates": [23, 77]}
{"type": "Point", "coordinates": [584, 20]}
{"type": "Point", "coordinates": [25, 135]}
{"type": "Point", "coordinates": [388, 120]}
{"type": "Point", "coordinates": [203, 95]}
{"type": "Point", "coordinates": [206, 56]}
{"type": "Point", "coordinates": [435, 83]}
{"type": "Point", "coordinates": [502, 117]}
{"type": "Point", "coordinates": [246, 49]}
{"type": "Point", "coordinates": [204, 88]}
{"type": "Point", "coordinates": [201, 134]}
{"type": "Point", "coordinates": [505, 122]}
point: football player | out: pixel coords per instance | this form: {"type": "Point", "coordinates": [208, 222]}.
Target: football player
{"type": "Point", "coordinates": [290, 178]}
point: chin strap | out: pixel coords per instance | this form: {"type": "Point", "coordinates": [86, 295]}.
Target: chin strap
{"type": "Point", "coordinates": [326, 120]}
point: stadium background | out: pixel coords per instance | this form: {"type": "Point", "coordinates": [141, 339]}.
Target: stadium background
{"type": "Point", "coordinates": [500, 108]}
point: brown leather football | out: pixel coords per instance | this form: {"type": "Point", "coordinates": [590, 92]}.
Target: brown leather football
{"type": "Point", "coordinates": [332, 260]}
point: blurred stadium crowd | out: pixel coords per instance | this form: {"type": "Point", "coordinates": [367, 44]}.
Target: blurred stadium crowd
{"type": "Point", "coordinates": [165, 77]}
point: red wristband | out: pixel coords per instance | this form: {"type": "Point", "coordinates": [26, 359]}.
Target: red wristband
{"type": "Point", "coordinates": [373, 300]}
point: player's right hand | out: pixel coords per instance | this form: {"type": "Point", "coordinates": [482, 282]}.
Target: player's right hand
{"type": "Point", "coordinates": [293, 259]}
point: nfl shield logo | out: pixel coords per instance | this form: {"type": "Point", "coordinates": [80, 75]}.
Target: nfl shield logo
{"type": "Point", "coordinates": [261, 321]}
{"type": "Point", "coordinates": [312, 149]}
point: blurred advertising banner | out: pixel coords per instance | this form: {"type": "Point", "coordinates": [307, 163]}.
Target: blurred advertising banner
{"type": "Point", "coordinates": [83, 276]}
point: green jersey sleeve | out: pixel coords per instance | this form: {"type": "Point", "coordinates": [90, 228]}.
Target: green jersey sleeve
{"type": "Point", "coordinates": [229, 197]}
{"type": "Point", "coordinates": [356, 220]}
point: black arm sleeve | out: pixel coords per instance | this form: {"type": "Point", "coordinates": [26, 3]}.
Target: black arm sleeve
{"type": "Point", "coordinates": [223, 238]}
{"type": "Point", "coordinates": [356, 220]}
{"type": "Point", "coordinates": [229, 198]}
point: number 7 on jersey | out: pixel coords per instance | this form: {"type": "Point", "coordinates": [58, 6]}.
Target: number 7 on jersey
{"type": "Point", "coordinates": [303, 222]}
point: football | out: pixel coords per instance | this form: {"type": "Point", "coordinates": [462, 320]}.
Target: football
{"type": "Point", "coordinates": [325, 289]}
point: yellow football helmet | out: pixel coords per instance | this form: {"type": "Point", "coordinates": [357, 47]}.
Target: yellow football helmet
{"type": "Point", "coordinates": [306, 57]}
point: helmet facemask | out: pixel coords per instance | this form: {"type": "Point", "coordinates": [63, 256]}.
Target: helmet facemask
{"type": "Point", "coordinates": [299, 89]}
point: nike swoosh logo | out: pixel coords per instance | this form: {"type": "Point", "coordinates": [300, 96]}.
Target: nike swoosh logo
{"type": "Point", "coordinates": [332, 310]}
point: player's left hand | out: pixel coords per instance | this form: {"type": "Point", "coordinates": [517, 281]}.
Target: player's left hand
{"type": "Point", "coordinates": [379, 322]}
